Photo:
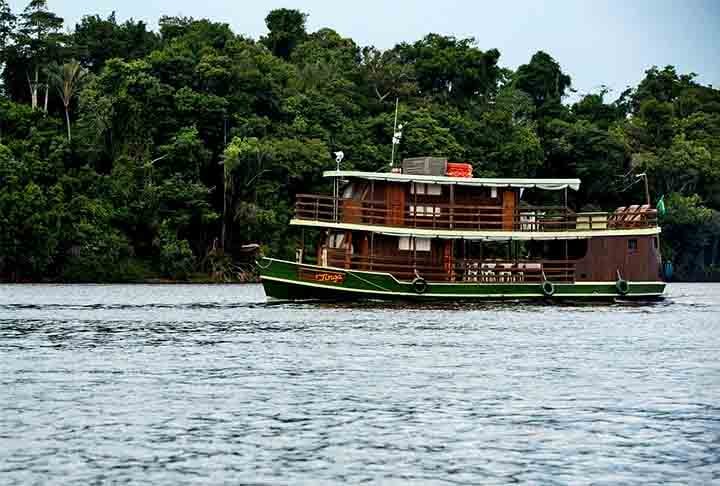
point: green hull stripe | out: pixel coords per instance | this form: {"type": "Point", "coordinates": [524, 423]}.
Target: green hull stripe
{"type": "Point", "coordinates": [451, 295]}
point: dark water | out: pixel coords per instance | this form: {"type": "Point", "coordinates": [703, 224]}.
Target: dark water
{"type": "Point", "coordinates": [208, 384]}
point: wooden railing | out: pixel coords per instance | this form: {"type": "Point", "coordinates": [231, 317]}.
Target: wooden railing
{"type": "Point", "coordinates": [469, 270]}
{"type": "Point", "coordinates": [464, 217]}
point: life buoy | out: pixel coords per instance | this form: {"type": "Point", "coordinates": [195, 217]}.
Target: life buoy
{"type": "Point", "coordinates": [419, 285]}
{"type": "Point", "coordinates": [623, 287]}
{"type": "Point", "coordinates": [548, 288]}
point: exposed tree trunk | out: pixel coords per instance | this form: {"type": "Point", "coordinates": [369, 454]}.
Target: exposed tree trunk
{"type": "Point", "coordinates": [33, 84]}
{"type": "Point", "coordinates": [35, 87]}
{"type": "Point", "coordinates": [67, 121]}
{"type": "Point", "coordinates": [223, 231]}
{"type": "Point", "coordinates": [47, 94]}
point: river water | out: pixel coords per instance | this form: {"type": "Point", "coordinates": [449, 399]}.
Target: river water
{"type": "Point", "coordinates": [176, 384]}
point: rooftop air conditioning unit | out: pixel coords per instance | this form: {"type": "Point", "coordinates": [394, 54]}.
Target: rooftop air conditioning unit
{"type": "Point", "coordinates": [435, 166]}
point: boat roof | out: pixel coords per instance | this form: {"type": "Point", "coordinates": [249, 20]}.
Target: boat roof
{"type": "Point", "coordinates": [546, 184]}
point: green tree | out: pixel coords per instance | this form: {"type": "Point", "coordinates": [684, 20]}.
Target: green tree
{"type": "Point", "coordinates": [7, 27]}
{"type": "Point", "coordinates": [386, 75]}
{"type": "Point", "coordinates": [98, 40]}
{"type": "Point", "coordinates": [286, 30]}
{"type": "Point", "coordinates": [543, 79]}
{"type": "Point", "coordinates": [592, 108]}
{"type": "Point", "coordinates": [176, 256]}
{"type": "Point", "coordinates": [68, 79]}
{"type": "Point", "coordinates": [452, 68]}
{"type": "Point", "coordinates": [664, 86]}
{"type": "Point", "coordinates": [27, 238]}
{"type": "Point", "coordinates": [38, 42]}
{"type": "Point", "coordinates": [691, 235]}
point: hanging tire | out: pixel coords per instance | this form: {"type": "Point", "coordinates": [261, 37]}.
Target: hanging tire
{"type": "Point", "coordinates": [419, 285]}
{"type": "Point", "coordinates": [548, 289]}
{"type": "Point", "coordinates": [622, 286]}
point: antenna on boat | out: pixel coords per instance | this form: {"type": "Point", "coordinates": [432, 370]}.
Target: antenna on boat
{"type": "Point", "coordinates": [634, 181]}
{"type": "Point", "coordinates": [397, 134]}
{"type": "Point", "coordinates": [647, 187]}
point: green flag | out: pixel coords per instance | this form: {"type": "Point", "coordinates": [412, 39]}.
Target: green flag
{"type": "Point", "coordinates": [661, 206]}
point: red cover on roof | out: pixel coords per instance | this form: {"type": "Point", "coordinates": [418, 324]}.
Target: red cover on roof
{"type": "Point", "coordinates": [458, 170]}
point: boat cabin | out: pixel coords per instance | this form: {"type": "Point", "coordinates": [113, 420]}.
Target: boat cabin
{"type": "Point", "coordinates": [432, 219]}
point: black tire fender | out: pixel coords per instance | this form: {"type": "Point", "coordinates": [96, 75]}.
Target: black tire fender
{"type": "Point", "coordinates": [548, 288]}
{"type": "Point", "coordinates": [622, 286]}
{"type": "Point", "coordinates": [419, 285]}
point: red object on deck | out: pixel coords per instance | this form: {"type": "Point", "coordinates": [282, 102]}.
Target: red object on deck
{"type": "Point", "coordinates": [458, 170]}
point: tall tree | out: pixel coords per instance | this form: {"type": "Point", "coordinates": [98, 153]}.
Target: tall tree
{"type": "Point", "coordinates": [452, 68]}
{"type": "Point", "coordinates": [386, 74]}
{"type": "Point", "coordinates": [287, 30]}
{"type": "Point", "coordinates": [544, 81]}
{"type": "Point", "coordinates": [38, 40]}
{"type": "Point", "coordinates": [97, 40]}
{"type": "Point", "coordinates": [7, 27]}
{"type": "Point", "coordinates": [68, 78]}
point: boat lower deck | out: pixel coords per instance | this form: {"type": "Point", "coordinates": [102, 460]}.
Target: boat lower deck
{"type": "Point", "coordinates": [293, 281]}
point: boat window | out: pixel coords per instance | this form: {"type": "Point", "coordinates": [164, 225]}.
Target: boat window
{"type": "Point", "coordinates": [493, 192]}
{"type": "Point", "coordinates": [632, 244]}
{"type": "Point", "coordinates": [557, 249]}
{"type": "Point", "coordinates": [422, 244]}
{"type": "Point", "coordinates": [405, 243]}
{"type": "Point", "coordinates": [577, 249]}
{"type": "Point", "coordinates": [424, 210]}
{"type": "Point", "coordinates": [426, 189]}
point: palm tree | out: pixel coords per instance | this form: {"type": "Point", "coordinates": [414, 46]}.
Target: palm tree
{"type": "Point", "coordinates": [68, 78]}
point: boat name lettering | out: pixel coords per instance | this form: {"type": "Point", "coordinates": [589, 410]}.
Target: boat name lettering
{"type": "Point", "coordinates": [320, 276]}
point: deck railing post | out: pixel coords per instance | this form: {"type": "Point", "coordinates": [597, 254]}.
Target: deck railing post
{"type": "Point", "coordinates": [452, 204]}
{"type": "Point", "coordinates": [415, 208]}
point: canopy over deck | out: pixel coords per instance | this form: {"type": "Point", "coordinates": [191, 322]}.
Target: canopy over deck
{"type": "Point", "coordinates": [546, 184]}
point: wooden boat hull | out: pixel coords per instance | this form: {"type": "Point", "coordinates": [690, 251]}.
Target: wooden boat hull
{"type": "Point", "coordinates": [292, 281]}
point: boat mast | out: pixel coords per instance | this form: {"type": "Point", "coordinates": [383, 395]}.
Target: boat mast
{"type": "Point", "coordinates": [339, 155]}
{"type": "Point", "coordinates": [644, 177]}
{"type": "Point", "coordinates": [395, 139]}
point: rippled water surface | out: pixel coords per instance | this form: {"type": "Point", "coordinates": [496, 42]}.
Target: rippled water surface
{"type": "Point", "coordinates": [209, 384]}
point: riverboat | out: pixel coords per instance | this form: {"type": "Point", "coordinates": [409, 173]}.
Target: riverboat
{"type": "Point", "coordinates": [430, 231]}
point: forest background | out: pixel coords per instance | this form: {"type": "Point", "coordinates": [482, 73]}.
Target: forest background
{"type": "Point", "coordinates": [128, 154]}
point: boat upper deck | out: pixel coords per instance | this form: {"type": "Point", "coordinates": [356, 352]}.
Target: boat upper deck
{"type": "Point", "coordinates": [468, 221]}
{"type": "Point", "coordinates": [460, 207]}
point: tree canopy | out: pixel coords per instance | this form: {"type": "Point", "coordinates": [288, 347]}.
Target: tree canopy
{"type": "Point", "coordinates": [127, 153]}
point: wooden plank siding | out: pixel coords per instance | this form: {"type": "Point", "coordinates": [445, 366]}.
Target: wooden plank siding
{"type": "Point", "coordinates": [607, 255]}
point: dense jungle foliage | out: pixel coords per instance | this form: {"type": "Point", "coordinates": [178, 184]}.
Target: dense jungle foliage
{"type": "Point", "coordinates": [127, 154]}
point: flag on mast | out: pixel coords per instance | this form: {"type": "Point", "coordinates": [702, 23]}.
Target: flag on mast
{"type": "Point", "coordinates": [661, 206]}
